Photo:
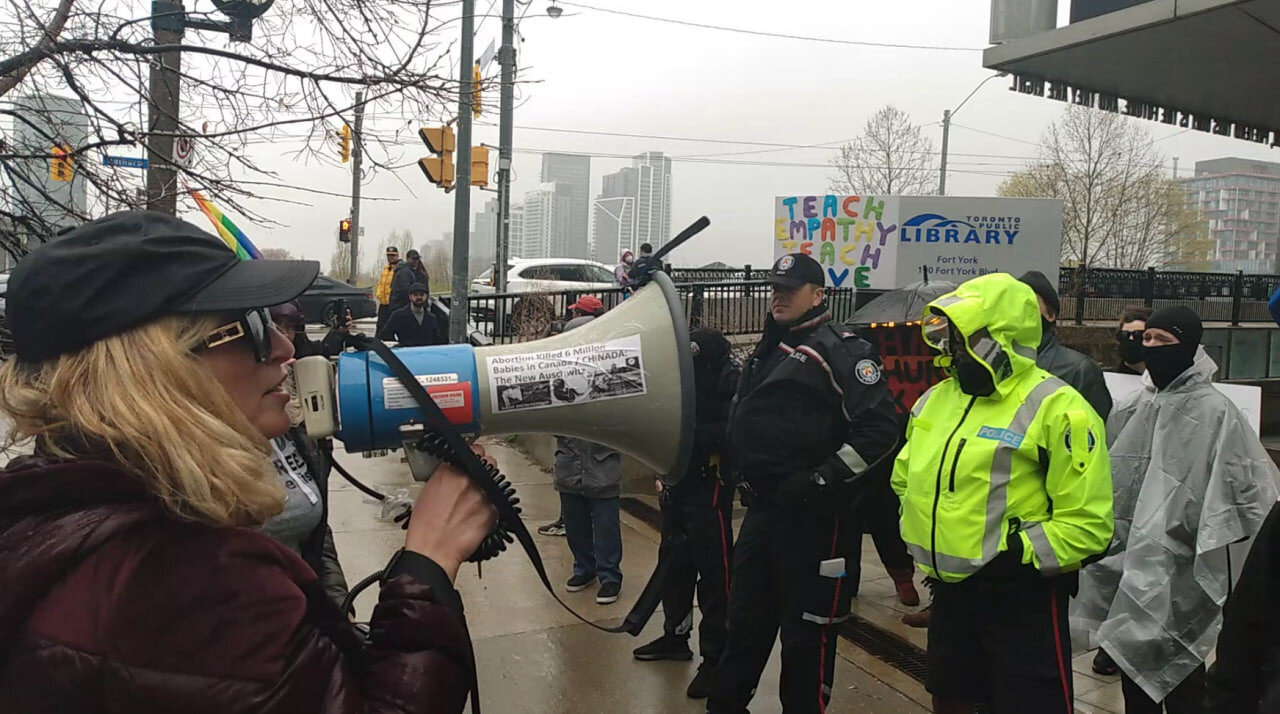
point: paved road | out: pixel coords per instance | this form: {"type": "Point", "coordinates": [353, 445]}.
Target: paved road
{"type": "Point", "coordinates": [535, 657]}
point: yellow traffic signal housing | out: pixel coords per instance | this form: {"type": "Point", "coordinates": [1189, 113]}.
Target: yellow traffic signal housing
{"type": "Point", "coordinates": [60, 166]}
{"type": "Point", "coordinates": [441, 142]}
{"type": "Point", "coordinates": [344, 143]}
{"type": "Point", "coordinates": [480, 166]}
{"type": "Point", "coordinates": [344, 230]}
{"type": "Point", "coordinates": [475, 94]}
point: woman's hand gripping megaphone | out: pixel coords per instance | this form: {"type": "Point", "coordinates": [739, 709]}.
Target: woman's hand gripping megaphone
{"type": "Point", "coordinates": [451, 516]}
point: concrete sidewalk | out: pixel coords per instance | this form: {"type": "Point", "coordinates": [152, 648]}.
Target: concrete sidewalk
{"type": "Point", "coordinates": [534, 656]}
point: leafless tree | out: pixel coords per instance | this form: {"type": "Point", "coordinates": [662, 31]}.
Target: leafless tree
{"type": "Point", "coordinates": [892, 157]}
{"type": "Point", "coordinates": [1120, 211]}
{"type": "Point", "coordinates": [292, 87]}
{"type": "Point", "coordinates": [276, 254]}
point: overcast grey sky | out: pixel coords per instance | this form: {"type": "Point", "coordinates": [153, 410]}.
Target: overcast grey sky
{"type": "Point", "coordinates": [599, 72]}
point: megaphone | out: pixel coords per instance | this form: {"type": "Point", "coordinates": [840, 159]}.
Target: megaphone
{"type": "Point", "coordinates": [624, 380]}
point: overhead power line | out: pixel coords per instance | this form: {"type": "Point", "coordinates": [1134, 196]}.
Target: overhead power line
{"type": "Point", "coordinates": [778, 35]}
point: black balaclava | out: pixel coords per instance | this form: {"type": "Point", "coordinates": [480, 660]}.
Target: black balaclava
{"type": "Point", "coordinates": [975, 379]}
{"type": "Point", "coordinates": [1167, 362]}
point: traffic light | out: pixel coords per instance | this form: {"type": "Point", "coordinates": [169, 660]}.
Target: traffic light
{"type": "Point", "coordinates": [60, 166]}
{"type": "Point", "coordinates": [438, 169]}
{"type": "Point", "coordinates": [480, 166]}
{"type": "Point", "coordinates": [344, 143]}
{"type": "Point", "coordinates": [475, 94]}
{"type": "Point", "coordinates": [344, 230]}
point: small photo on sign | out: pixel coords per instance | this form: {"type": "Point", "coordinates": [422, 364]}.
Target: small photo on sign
{"type": "Point", "coordinates": [620, 379]}
{"type": "Point", "coordinates": [524, 396]}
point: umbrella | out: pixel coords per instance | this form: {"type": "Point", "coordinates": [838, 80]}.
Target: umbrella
{"type": "Point", "coordinates": [905, 304]}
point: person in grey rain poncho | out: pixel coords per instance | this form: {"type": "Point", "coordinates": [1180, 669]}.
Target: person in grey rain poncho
{"type": "Point", "coordinates": [1190, 479]}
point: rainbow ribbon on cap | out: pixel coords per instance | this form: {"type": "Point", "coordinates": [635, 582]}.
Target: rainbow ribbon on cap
{"type": "Point", "coordinates": [235, 238]}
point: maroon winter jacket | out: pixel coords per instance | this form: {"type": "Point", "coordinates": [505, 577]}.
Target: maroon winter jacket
{"type": "Point", "coordinates": [107, 604]}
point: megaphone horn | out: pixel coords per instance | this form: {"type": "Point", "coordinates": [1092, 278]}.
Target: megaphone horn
{"type": "Point", "coordinates": [624, 380]}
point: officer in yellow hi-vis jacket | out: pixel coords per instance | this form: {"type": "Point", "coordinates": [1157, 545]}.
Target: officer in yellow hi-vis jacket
{"type": "Point", "coordinates": [1006, 492]}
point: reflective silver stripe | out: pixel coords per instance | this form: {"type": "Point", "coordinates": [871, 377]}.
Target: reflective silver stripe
{"type": "Point", "coordinates": [821, 620]}
{"type": "Point", "coordinates": [1028, 352]}
{"type": "Point", "coordinates": [987, 349]}
{"type": "Point", "coordinates": [1049, 564]}
{"type": "Point", "coordinates": [1002, 466]}
{"type": "Point", "coordinates": [919, 405]}
{"type": "Point", "coordinates": [852, 459]}
{"type": "Point", "coordinates": [947, 300]}
{"type": "Point", "coordinates": [947, 563]}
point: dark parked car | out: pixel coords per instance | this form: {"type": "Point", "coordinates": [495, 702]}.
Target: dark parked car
{"type": "Point", "coordinates": [318, 300]}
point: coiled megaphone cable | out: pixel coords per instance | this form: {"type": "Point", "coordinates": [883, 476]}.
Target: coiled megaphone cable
{"type": "Point", "coordinates": [444, 437]}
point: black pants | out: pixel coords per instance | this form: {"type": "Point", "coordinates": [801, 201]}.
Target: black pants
{"type": "Point", "coordinates": [701, 510]}
{"type": "Point", "coordinates": [1186, 698]}
{"type": "Point", "coordinates": [779, 584]}
{"type": "Point", "coordinates": [877, 512]}
{"type": "Point", "coordinates": [1002, 637]}
{"type": "Point", "coordinates": [384, 314]}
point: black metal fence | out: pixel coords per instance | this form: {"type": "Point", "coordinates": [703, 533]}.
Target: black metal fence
{"type": "Point", "coordinates": [1102, 293]}
{"type": "Point", "coordinates": [733, 307]}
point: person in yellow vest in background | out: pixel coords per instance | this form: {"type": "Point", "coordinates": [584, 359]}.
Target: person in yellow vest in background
{"type": "Point", "coordinates": [383, 292]}
{"type": "Point", "coordinates": [1006, 492]}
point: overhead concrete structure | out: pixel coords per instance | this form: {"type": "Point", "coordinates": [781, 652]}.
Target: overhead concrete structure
{"type": "Point", "coordinates": [1202, 64]}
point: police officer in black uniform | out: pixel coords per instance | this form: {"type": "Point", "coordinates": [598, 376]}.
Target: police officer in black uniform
{"type": "Point", "coordinates": [812, 415]}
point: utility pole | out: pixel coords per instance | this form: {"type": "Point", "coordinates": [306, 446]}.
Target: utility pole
{"type": "Point", "coordinates": [946, 137]}
{"type": "Point", "coordinates": [164, 104]}
{"type": "Point", "coordinates": [507, 61]}
{"type": "Point", "coordinates": [357, 153]}
{"type": "Point", "coordinates": [462, 181]}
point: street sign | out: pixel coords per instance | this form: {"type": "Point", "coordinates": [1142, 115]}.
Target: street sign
{"type": "Point", "coordinates": [127, 162]}
{"type": "Point", "coordinates": [182, 149]}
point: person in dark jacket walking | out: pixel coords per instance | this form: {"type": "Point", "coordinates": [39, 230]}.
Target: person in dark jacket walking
{"type": "Point", "coordinates": [1245, 678]}
{"type": "Point", "coordinates": [697, 521]}
{"type": "Point", "coordinates": [1066, 364]}
{"type": "Point", "coordinates": [588, 477]}
{"type": "Point", "coordinates": [134, 580]}
{"type": "Point", "coordinates": [406, 275]}
{"type": "Point", "coordinates": [413, 325]}
{"type": "Point", "coordinates": [812, 415]}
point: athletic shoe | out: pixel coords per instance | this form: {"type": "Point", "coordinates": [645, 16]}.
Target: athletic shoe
{"type": "Point", "coordinates": [579, 583]}
{"type": "Point", "coordinates": [552, 529]}
{"type": "Point", "coordinates": [700, 687]}
{"type": "Point", "coordinates": [665, 647]}
{"type": "Point", "coordinates": [608, 593]}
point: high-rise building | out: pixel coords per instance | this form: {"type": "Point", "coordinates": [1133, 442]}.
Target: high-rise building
{"type": "Point", "coordinates": [633, 208]}
{"type": "Point", "coordinates": [1241, 200]}
{"type": "Point", "coordinates": [516, 231]}
{"type": "Point", "coordinates": [613, 218]}
{"type": "Point", "coordinates": [47, 199]}
{"type": "Point", "coordinates": [484, 238]}
{"type": "Point", "coordinates": [572, 174]}
{"type": "Point", "coordinates": [548, 213]}
{"type": "Point", "coordinates": [653, 198]}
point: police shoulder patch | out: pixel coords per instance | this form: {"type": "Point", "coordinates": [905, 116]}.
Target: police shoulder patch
{"type": "Point", "coordinates": [868, 371]}
{"type": "Point", "coordinates": [1093, 442]}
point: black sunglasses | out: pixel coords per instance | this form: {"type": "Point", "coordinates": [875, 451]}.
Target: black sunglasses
{"type": "Point", "coordinates": [1129, 336]}
{"type": "Point", "coordinates": [255, 324]}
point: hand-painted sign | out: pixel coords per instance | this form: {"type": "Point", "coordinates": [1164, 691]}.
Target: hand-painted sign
{"type": "Point", "coordinates": [884, 242]}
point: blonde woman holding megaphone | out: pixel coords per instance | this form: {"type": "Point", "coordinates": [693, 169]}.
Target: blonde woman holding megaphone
{"type": "Point", "coordinates": [134, 579]}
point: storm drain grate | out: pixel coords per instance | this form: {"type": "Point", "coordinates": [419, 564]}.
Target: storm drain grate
{"type": "Point", "coordinates": [887, 647]}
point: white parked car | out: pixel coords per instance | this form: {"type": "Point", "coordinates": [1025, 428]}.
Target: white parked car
{"type": "Point", "coordinates": [548, 275]}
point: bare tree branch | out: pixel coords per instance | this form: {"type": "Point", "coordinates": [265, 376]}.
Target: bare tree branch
{"type": "Point", "coordinates": [892, 157]}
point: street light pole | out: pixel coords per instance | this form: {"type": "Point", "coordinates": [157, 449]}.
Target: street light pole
{"type": "Point", "coordinates": [507, 61]}
{"type": "Point", "coordinates": [462, 180]}
{"type": "Point", "coordinates": [946, 132]}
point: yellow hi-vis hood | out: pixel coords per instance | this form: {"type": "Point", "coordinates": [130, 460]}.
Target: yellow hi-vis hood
{"type": "Point", "coordinates": [1000, 320]}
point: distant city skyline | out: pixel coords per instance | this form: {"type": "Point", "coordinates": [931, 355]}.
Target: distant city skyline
{"type": "Point", "coordinates": [633, 207]}
{"type": "Point", "coordinates": [1240, 198]}
{"type": "Point", "coordinates": [571, 173]}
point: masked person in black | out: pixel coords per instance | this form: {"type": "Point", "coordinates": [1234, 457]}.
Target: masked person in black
{"type": "Point", "coordinates": [812, 415]}
{"type": "Point", "coordinates": [697, 520]}
{"type": "Point", "coordinates": [1133, 323]}
{"type": "Point", "coordinates": [1066, 364]}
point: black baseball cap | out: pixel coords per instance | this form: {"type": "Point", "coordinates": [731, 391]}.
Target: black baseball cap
{"type": "Point", "coordinates": [130, 268]}
{"type": "Point", "coordinates": [417, 288]}
{"type": "Point", "coordinates": [796, 269]}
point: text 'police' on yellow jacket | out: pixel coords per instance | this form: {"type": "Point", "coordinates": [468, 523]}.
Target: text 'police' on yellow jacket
{"type": "Point", "coordinates": [1030, 459]}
